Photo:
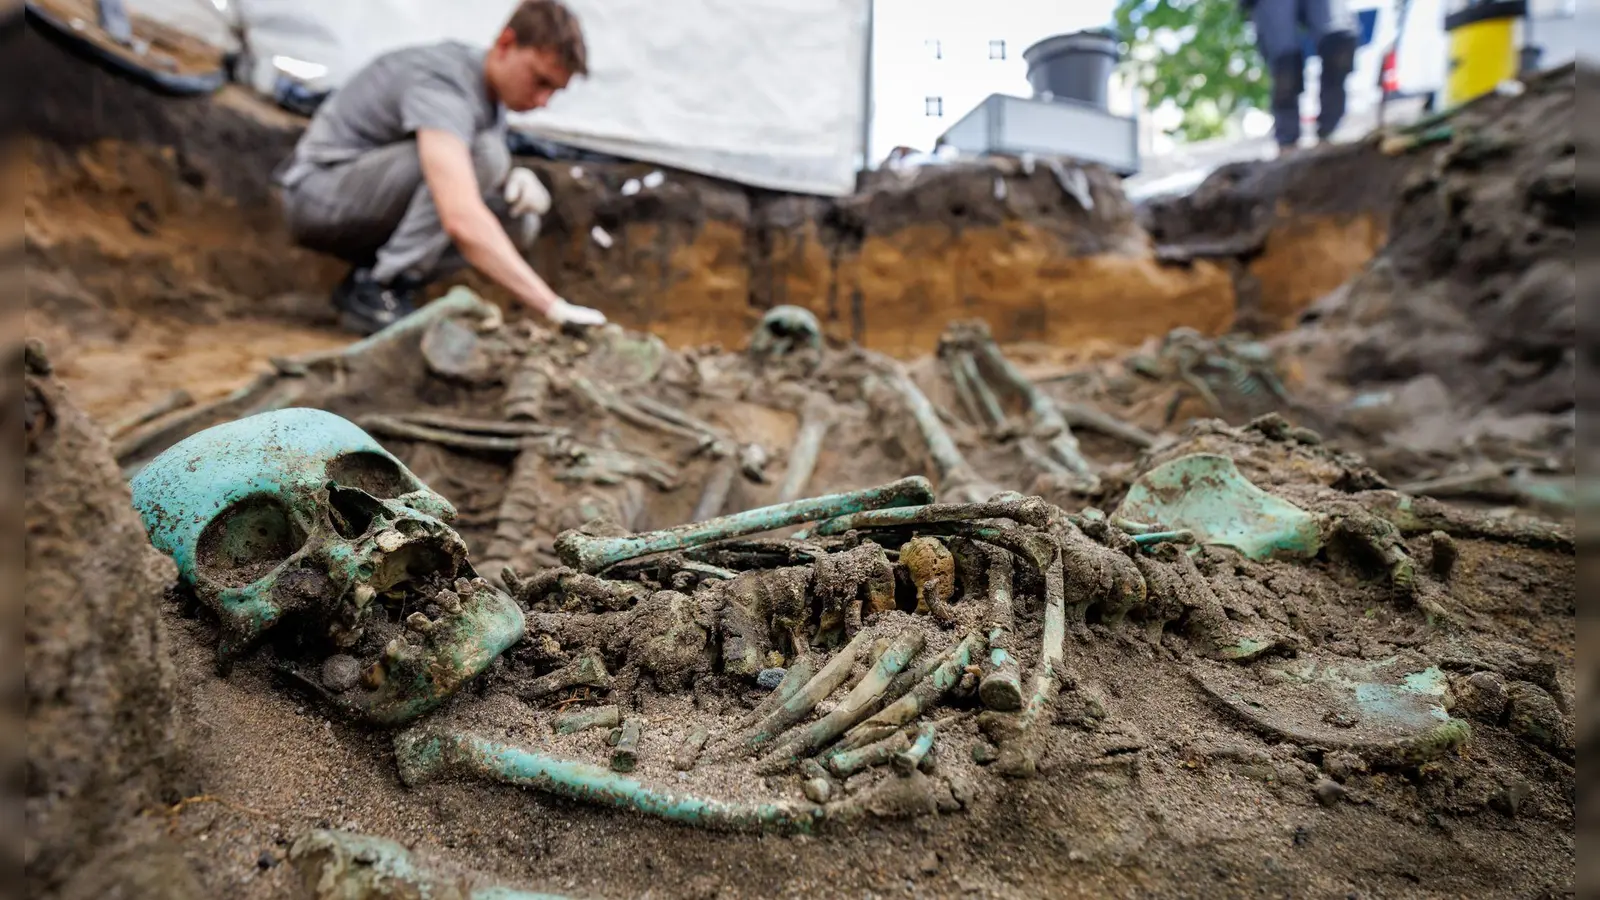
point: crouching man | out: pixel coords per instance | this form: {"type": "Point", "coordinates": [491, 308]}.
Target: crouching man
{"type": "Point", "coordinates": [404, 171]}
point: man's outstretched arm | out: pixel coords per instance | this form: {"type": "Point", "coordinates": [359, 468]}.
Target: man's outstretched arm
{"type": "Point", "coordinates": [477, 232]}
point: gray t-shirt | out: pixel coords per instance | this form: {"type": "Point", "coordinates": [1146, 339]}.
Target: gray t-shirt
{"type": "Point", "coordinates": [436, 86]}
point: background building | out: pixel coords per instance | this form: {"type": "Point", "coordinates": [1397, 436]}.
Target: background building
{"type": "Point", "coordinates": [934, 60]}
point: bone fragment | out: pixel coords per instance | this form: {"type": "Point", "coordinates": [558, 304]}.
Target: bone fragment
{"type": "Point", "coordinates": [586, 671]}
{"type": "Point", "coordinates": [1001, 687]}
{"type": "Point", "coordinates": [1019, 750]}
{"type": "Point", "coordinates": [958, 481]}
{"type": "Point", "coordinates": [625, 746]}
{"type": "Point", "coordinates": [1080, 415]}
{"type": "Point", "coordinates": [1047, 419]}
{"type": "Point", "coordinates": [689, 753]}
{"type": "Point", "coordinates": [847, 762]}
{"type": "Point", "coordinates": [799, 673]}
{"type": "Point", "coordinates": [389, 426]}
{"type": "Point", "coordinates": [917, 755]}
{"type": "Point", "coordinates": [584, 719]}
{"type": "Point", "coordinates": [964, 393]}
{"type": "Point", "coordinates": [528, 390]}
{"type": "Point", "coordinates": [994, 415]}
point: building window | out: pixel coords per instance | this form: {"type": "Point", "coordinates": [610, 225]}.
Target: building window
{"type": "Point", "coordinates": [935, 48]}
{"type": "Point", "coordinates": [933, 107]}
{"type": "Point", "coordinates": [997, 49]}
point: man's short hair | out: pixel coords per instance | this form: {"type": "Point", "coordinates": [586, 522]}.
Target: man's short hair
{"type": "Point", "coordinates": [549, 25]}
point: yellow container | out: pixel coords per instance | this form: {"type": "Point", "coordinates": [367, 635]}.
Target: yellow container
{"type": "Point", "coordinates": [1483, 47]}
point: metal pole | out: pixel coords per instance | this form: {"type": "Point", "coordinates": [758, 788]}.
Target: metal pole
{"type": "Point", "coordinates": [866, 100]}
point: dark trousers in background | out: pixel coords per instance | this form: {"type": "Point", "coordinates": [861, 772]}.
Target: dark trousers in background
{"type": "Point", "coordinates": [1280, 25]}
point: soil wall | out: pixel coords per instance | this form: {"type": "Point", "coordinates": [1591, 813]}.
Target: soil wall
{"type": "Point", "coordinates": [139, 204]}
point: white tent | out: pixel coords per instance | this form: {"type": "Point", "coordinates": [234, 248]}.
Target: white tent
{"type": "Point", "coordinates": [765, 93]}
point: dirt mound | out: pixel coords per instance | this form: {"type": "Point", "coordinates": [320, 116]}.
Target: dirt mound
{"type": "Point", "coordinates": [1459, 338]}
{"type": "Point", "coordinates": [104, 741]}
{"type": "Point", "coordinates": [1289, 230]}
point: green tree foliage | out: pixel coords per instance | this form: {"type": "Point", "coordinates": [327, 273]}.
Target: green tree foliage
{"type": "Point", "coordinates": [1200, 54]}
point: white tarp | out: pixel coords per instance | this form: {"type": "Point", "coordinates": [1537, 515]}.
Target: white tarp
{"type": "Point", "coordinates": [764, 92]}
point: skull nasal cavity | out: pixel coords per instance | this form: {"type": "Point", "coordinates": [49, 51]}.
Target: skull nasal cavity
{"type": "Point", "coordinates": [247, 541]}
{"type": "Point", "coordinates": [374, 473]}
{"type": "Point", "coordinates": [353, 510]}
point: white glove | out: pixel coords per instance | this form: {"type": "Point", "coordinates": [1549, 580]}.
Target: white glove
{"type": "Point", "coordinates": [525, 193]}
{"type": "Point", "coordinates": [564, 313]}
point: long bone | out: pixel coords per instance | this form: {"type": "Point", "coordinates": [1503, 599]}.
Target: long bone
{"type": "Point", "coordinates": [1047, 418]}
{"type": "Point", "coordinates": [1027, 511]}
{"type": "Point", "coordinates": [814, 424]}
{"type": "Point", "coordinates": [957, 479]}
{"type": "Point", "coordinates": [592, 554]}
{"type": "Point", "coordinates": [964, 393]}
{"type": "Point", "coordinates": [1001, 687]}
{"type": "Point", "coordinates": [1019, 749]}
{"type": "Point", "coordinates": [714, 495]}
{"type": "Point", "coordinates": [983, 395]}
{"type": "Point", "coordinates": [430, 753]}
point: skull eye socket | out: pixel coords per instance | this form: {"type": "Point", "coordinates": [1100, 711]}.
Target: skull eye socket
{"type": "Point", "coordinates": [353, 511]}
{"type": "Point", "coordinates": [374, 473]}
{"type": "Point", "coordinates": [250, 539]}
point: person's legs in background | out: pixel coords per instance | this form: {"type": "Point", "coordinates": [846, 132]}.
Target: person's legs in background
{"type": "Point", "coordinates": [1333, 25]}
{"type": "Point", "coordinates": [377, 213]}
{"type": "Point", "coordinates": [419, 250]}
{"type": "Point", "coordinates": [1278, 37]}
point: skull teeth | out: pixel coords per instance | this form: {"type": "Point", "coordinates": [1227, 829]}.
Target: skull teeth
{"type": "Point", "coordinates": [419, 623]}
{"type": "Point", "coordinates": [364, 594]}
{"type": "Point", "coordinates": [390, 541]}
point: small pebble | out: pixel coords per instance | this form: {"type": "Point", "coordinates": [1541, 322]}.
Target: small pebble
{"type": "Point", "coordinates": [929, 864]}
{"type": "Point", "coordinates": [1510, 799]}
{"type": "Point", "coordinates": [1329, 792]}
{"type": "Point", "coordinates": [961, 789]}
{"type": "Point", "coordinates": [818, 790]}
{"type": "Point", "coordinates": [1535, 715]}
{"type": "Point", "coordinates": [1445, 554]}
{"type": "Point", "coordinates": [1302, 836]}
{"type": "Point", "coordinates": [1481, 695]}
{"type": "Point", "coordinates": [340, 673]}
{"type": "Point", "coordinates": [266, 860]}
{"type": "Point", "coordinates": [1342, 765]}
{"type": "Point", "coordinates": [769, 679]}
{"type": "Point", "coordinates": [983, 753]}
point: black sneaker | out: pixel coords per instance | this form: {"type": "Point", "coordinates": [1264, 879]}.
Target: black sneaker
{"type": "Point", "coordinates": [367, 307]}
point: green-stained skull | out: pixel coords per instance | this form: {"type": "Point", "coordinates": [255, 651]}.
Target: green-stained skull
{"type": "Point", "coordinates": [297, 522]}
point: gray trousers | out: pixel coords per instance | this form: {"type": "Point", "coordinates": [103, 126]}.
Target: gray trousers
{"type": "Point", "coordinates": [376, 210]}
{"type": "Point", "coordinates": [1280, 25]}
